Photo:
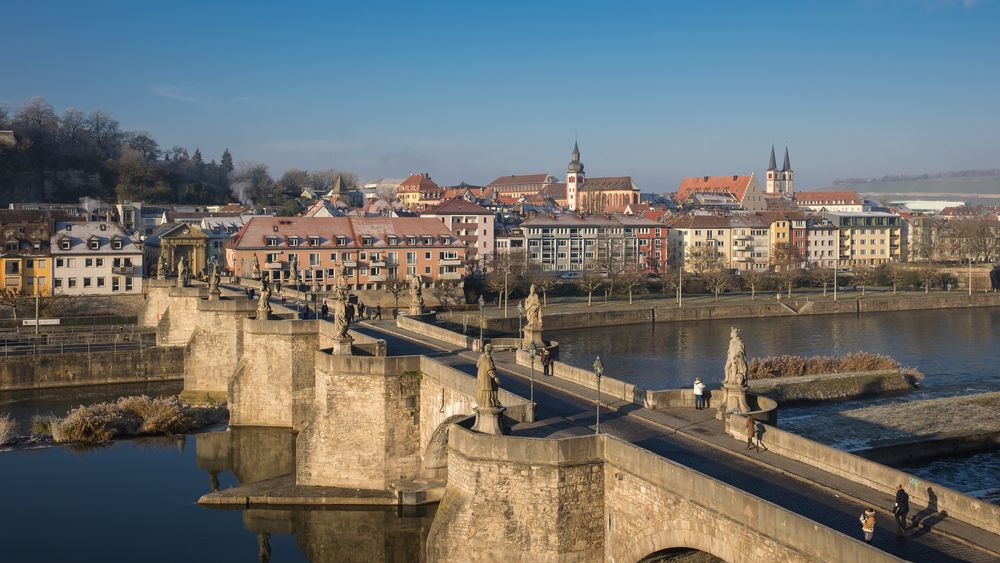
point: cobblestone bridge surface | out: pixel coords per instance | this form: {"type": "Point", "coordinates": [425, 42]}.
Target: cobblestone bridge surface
{"type": "Point", "coordinates": [696, 440]}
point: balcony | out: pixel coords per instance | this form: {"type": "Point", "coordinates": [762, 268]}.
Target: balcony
{"type": "Point", "coordinates": [451, 276]}
{"type": "Point", "coordinates": [377, 263]}
{"type": "Point", "coordinates": [123, 270]}
{"type": "Point", "coordinates": [274, 265]}
{"type": "Point", "coordinates": [350, 263]}
{"type": "Point", "coordinates": [451, 262]}
{"type": "Point", "coordinates": [372, 279]}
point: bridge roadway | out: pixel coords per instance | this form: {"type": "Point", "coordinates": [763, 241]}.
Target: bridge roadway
{"type": "Point", "coordinates": [699, 443]}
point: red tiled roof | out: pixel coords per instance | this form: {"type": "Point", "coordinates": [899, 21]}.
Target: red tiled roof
{"type": "Point", "coordinates": [736, 185]}
{"type": "Point", "coordinates": [613, 183]}
{"type": "Point", "coordinates": [517, 180]}
{"type": "Point", "coordinates": [255, 233]}
{"type": "Point", "coordinates": [556, 191]}
{"type": "Point", "coordinates": [419, 182]}
{"type": "Point", "coordinates": [828, 198]}
{"type": "Point", "coordinates": [458, 206]}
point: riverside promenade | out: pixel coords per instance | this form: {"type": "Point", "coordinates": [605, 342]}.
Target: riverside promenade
{"type": "Point", "coordinates": [697, 440]}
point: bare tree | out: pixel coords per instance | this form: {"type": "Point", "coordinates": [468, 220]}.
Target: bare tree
{"type": "Point", "coordinates": [590, 282]}
{"type": "Point", "coordinates": [12, 298]}
{"type": "Point", "coordinates": [543, 282]}
{"type": "Point", "coordinates": [928, 274]}
{"type": "Point", "coordinates": [632, 281]}
{"type": "Point", "coordinates": [396, 285]}
{"type": "Point", "coordinates": [787, 277]}
{"type": "Point", "coordinates": [670, 280]}
{"type": "Point", "coordinates": [863, 275]}
{"type": "Point", "coordinates": [703, 259]}
{"type": "Point", "coordinates": [717, 280]}
{"type": "Point", "coordinates": [753, 279]}
{"type": "Point", "coordinates": [822, 276]}
{"type": "Point", "coordinates": [894, 274]}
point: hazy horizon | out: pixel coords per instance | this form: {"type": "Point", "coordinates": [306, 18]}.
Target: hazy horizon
{"type": "Point", "coordinates": [470, 92]}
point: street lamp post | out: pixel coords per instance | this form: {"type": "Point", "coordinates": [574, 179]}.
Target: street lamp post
{"type": "Point", "coordinates": [836, 266]}
{"type": "Point", "coordinates": [598, 371]}
{"type": "Point", "coordinates": [532, 352]}
{"type": "Point", "coordinates": [506, 294]}
{"type": "Point", "coordinates": [482, 304]}
{"type": "Point", "coordinates": [680, 276]}
{"type": "Point", "coordinates": [520, 313]}
{"type": "Point", "coordinates": [970, 280]}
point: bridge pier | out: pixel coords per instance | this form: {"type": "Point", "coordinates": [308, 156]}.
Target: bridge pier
{"type": "Point", "coordinates": [215, 348]}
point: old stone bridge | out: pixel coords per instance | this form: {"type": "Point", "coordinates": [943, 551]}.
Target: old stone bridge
{"type": "Point", "coordinates": [388, 423]}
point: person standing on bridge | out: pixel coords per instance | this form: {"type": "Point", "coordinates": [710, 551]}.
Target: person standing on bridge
{"type": "Point", "coordinates": [868, 523]}
{"type": "Point", "coordinates": [325, 309]}
{"type": "Point", "coordinates": [751, 432]}
{"type": "Point", "coordinates": [901, 509]}
{"type": "Point", "coordinates": [699, 394]}
{"type": "Point", "coordinates": [378, 313]}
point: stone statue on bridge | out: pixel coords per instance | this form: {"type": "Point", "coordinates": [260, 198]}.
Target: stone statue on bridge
{"type": "Point", "coordinates": [736, 361]}
{"type": "Point", "coordinates": [255, 268]}
{"type": "Point", "coordinates": [161, 268]}
{"type": "Point", "coordinates": [182, 273]}
{"type": "Point", "coordinates": [487, 382]}
{"type": "Point", "coordinates": [213, 282]}
{"type": "Point", "coordinates": [532, 310]}
{"type": "Point", "coordinates": [341, 322]}
{"type": "Point", "coordinates": [264, 304]}
{"type": "Point", "coordinates": [416, 296]}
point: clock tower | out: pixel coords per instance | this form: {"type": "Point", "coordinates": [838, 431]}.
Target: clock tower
{"type": "Point", "coordinates": [574, 179]}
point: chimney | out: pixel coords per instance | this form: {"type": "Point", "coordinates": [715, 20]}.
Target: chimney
{"type": "Point", "coordinates": [705, 179]}
{"type": "Point", "coordinates": [735, 177]}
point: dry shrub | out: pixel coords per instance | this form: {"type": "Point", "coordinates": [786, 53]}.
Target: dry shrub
{"type": "Point", "coordinates": [793, 366]}
{"type": "Point", "coordinates": [6, 429]}
{"type": "Point", "coordinates": [133, 416]}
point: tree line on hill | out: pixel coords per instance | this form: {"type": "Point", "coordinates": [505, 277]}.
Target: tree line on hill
{"type": "Point", "coordinates": [64, 158]}
{"type": "Point", "coordinates": [989, 173]}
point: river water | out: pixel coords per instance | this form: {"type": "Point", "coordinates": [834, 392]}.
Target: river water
{"type": "Point", "coordinates": [135, 500]}
{"type": "Point", "coordinates": [957, 350]}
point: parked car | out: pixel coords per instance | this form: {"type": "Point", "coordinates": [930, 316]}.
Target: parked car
{"type": "Point", "coordinates": [570, 276]}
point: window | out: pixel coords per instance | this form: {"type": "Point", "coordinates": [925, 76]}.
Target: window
{"type": "Point", "coordinates": [272, 241]}
{"type": "Point", "coordinates": [86, 282]}
{"type": "Point", "coordinates": [128, 284]}
{"type": "Point", "coordinates": [57, 283]}
{"type": "Point", "coordinates": [411, 257]}
{"type": "Point", "coordinates": [117, 244]}
{"type": "Point", "coordinates": [427, 269]}
{"type": "Point", "coordinates": [72, 282]}
{"type": "Point", "coordinates": [427, 255]}
{"type": "Point", "coordinates": [313, 241]}
{"type": "Point", "coordinates": [95, 245]}
{"type": "Point", "coordinates": [99, 262]}
{"type": "Point", "coordinates": [314, 259]}
{"type": "Point", "coordinates": [294, 241]}
{"type": "Point", "coordinates": [115, 284]}
{"type": "Point", "coordinates": [63, 244]}
{"type": "Point", "coordinates": [100, 282]}
{"type": "Point", "coordinates": [88, 262]}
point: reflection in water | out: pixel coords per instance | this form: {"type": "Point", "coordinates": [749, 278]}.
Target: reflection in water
{"type": "Point", "coordinates": [251, 454]}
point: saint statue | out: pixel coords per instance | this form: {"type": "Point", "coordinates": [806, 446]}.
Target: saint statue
{"type": "Point", "coordinates": [255, 271]}
{"type": "Point", "coordinates": [340, 320]}
{"type": "Point", "coordinates": [264, 304]}
{"type": "Point", "coordinates": [161, 268]}
{"type": "Point", "coordinates": [533, 310]}
{"type": "Point", "coordinates": [181, 273]}
{"type": "Point", "coordinates": [214, 279]}
{"type": "Point", "coordinates": [487, 382]}
{"type": "Point", "coordinates": [416, 292]}
{"type": "Point", "coordinates": [736, 361]}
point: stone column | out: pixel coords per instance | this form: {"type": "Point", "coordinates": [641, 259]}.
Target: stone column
{"type": "Point", "coordinates": [532, 335]}
{"type": "Point", "coordinates": [489, 420]}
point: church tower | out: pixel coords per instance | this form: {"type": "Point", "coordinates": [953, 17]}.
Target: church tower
{"type": "Point", "coordinates": [787, 176]}
{"type": "Point", "coordinates": [771, 176]}
{"type": "Point", "coordinates": [574, 179]}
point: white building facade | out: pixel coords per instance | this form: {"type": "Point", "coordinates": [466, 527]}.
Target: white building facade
{"type": "Point", "coordinates": [95, 258]}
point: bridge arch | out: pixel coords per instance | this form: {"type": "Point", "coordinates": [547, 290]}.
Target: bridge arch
{"type": "Point", "coordinates": [434, 462]}
{"type": "Point", "coordinates": [678, 538]}
{"type": "Point", "coordinates": [681, 555]}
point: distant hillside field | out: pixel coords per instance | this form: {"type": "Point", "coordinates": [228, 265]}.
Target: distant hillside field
{"type": "Point", "coordinates": [983, 185]}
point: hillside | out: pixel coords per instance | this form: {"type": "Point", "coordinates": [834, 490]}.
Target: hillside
{"type": "Point", "coordinates": [982, 183]}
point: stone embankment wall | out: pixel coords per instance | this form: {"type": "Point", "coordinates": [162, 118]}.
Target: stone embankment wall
{"type": "Point", "coordinates": [876, 476]}
{"type": "Point", "coordinates": [636, 314]}
{"type": "Point", "coordinates": [153, 363]}
{"type": "Point", "coordinates": [597, 498]}
{"type": "Point", "coordinates": [215, 347]}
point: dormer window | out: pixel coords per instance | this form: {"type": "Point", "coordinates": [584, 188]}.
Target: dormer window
{"type": "Point", "coordinates": [10, 246]}
{"type": "Point", "coordinates": [367, 241]}
{"type": "Point", "coordinates": [412, 241]}
{"type": "Point", "coordinates": [313, 241]}
{"type": "Point", "coordinates": [341, 241]}
{"type": "Point", "coordinates": [104, 227]}
{"type": "Point", "coordinates": [393, 241]}
{"type": "Point", "coordinates": [116, 244]}
{"type": "Point", "coordinates": [428, 241]}
{"type": "Point", "coordinates": [65, 244]}
{"type": "Point", "coordinates": [94, 244]}
{"type": "Point", "coordinates": [294, 241]}
{"type": "Point", "coordinates": [275, 227]}
{"type": "Point", "coordinates": [272, 241]}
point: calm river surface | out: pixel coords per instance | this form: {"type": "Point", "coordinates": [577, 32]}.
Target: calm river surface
{"type": "Point", "coordinates": [135, 500]}
{"type": "Point", "coordinates": [958, 351]}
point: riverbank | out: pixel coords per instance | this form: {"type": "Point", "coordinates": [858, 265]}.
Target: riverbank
{"type": "Point", "coordinates": [834, 386]}
{"type": "Point", "coordinates": [574, 315]}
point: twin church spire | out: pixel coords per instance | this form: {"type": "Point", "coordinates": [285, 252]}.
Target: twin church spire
{"type": "Point", "coordinates": [779, 181]}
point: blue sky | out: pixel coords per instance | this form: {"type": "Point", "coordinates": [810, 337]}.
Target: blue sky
{"type": "Point", "coordinates": [472, 90]}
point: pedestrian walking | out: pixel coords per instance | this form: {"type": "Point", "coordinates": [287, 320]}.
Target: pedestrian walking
{"type": "Point", "coordinates": [546, 362]}
{"type": "Point", "coordinates": [325, 309]}
{"type": "Point", "coordinates": [699, 394]}
{"type": "Point", "coordinates": [277, 286]}
{"type": "Point", "coordinates": [901, 508]}
{"type": "Point", "coordinates": [378, 312]}
{"type": "Point", "coordinates": [350, 313]}
{"type": "Point", "coordinates": [758, 428]}
{"type": "Point", "coordinates": [868, 523]}
{"type": "Point", "coordinates": [751, 431]}
{"type": "Point", "coordinates": [361, 309]}
{"type": "Point", "coordinates": [305, 312]}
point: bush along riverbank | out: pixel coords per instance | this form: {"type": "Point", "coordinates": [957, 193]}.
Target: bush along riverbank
{"type": "Point", "coordinates": [124, 418]}
{"type": "Point", "coordinates": [796, 379]}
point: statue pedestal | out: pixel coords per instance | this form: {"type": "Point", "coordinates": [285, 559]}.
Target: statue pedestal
{"type": "Point", "coordinates": [532, 335]}
{"type": "Point", "coordinates": [489, 420]}
{"type": "Point", "coordinates": [214, 294]}
{"type": "Point", "coordinates": [342, 346]}
{"type": "Point", "coordinates": [735, 400]}
{"type": "Point", "coordinates": [416, 310]}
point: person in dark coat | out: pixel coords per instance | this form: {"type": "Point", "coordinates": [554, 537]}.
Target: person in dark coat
{"type": "Point", "coordinates": [350, 313]}
{"type": "Point", "coordinates": [751, 432]}
{"type": "Point", "coordinates": [325, 309]}
{"type": "Point", "coordinates": [546, 362]}
{"type": "Point", "coordinates": [901, 508]}
{"type": "Point", "coordinates": [378, 312]}
{"type": "Point", "coordinates": [361, 309]}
